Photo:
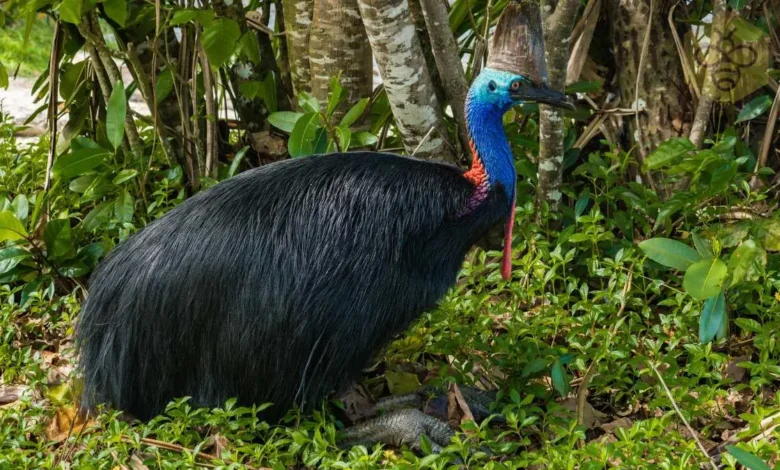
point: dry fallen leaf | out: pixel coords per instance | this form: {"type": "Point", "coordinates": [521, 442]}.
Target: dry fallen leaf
{"type": "Point", "coordinates": [733, 369]}
{"type": "Point", "coordinates": [620, 423]}
{"type": "Point", "coordinates": [458, 410]}
{"type": "Point", "coordinates": [66, 422]}
{"type": "Point", "coordinates": [591, 417]}
{"type": "Point", "coordinates": [136, 464]}
{"type": "Point", "coordinates": [12, 393]}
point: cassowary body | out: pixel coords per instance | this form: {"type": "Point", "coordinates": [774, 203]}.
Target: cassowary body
{"type": "Point", "coordinates": [280, 285]}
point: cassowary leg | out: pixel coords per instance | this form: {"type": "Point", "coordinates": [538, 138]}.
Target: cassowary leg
{"type": "Point", "coordinates": [398, 428]}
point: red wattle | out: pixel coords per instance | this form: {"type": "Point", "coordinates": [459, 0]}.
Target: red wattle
{"type": "Point", "coordinates": [506, 265]}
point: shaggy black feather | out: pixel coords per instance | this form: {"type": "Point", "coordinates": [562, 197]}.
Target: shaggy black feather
{"type": "Point", "coordinates": [278, 285]}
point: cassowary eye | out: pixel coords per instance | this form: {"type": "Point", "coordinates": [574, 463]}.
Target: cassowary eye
{"type": "Point", "coordinates": [515, 85]}
{"type": "Point", "coordinates": [492, 85]}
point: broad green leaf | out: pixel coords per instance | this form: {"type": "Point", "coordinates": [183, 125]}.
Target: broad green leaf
{"type": "Point", "coordinates": [72, 77]}
{"type": "Point", "coordinates": [10, 257]}
{"type": "Point", "coordinates": [71, 11]}
{"type": "Point", "coordinates": [670, 253]}
{"type": "Point", "coordinates": [21, 206]}
{"type": "Point", "coordinates": [747, 459]}
{"type": "Point", "coordinates": [116, 10]}
{"type": "Point", "coordinates": [745, 30]}
{"type": "Point", "coordinates": [31, 287]}
{"type": "Point", "coordinates": [249, 48]}
{"type": "Point", "coordinates": [3, 76]}
{"type": "Point", "coordinates": [58, 239]}
{"type": "Point", "coordinates": [536, 365]}
{"type": "Point", "coordinates": [741, 261]}
{"type": "Point", "coordinates": [365, 138]}
{"type": "Point", "coordinates": [308, 103]}
{"type": "Point", "coordinates": [668, 152]}
{"type": "Point", "coordinates": [302, 137]}
{"type": "Point", "coordinates": [124, 207]}
{"type": "Point", "coordinates": [768, 232]}
{"type": "Point", "coordinates": [10, 227]}
{"type": "Point", "coordinates": [74, 268]}
{"type": "Point", "coordinates": [115, 115]}
{"type": "Point", "coordinates": [2, 18]}
{"type": "Point", "coordinates": [204, 17]}
{"type": "Point", "coordinates": [344, 135]}
{"type": "Point", "coordinates": [124, 175]}
{"type": "Point", "coordinates": [320, 143]}
{"type": "Point", "coordinates": [284, 120]}
{"type": "Point", "coordinates": [713, 315]}
{"type": "Point", "coordinates": [559, 379]}
{"type": "Point", "coordinates": [354, 113]}
{"type": "Point", "coordinates": [749, 324]}
{"type": "Point", "coordinates": [581, 205]}
{"type": "Point", "coordinates": [401, 383]}
{"type": "Point", "coordinates": [98, 216]}
{"type": "Point", "coordinates": [219, 40]}
{"type": "Point", "coordinates": [756, 107]}
{"type": "Point", "coordinates": [79, 161]}
{"type": "Point", "coordinates": [705, 278]}
{"type": "Point", "coordinates": [237, 161]}
{"type": "Point", "coordinates": [250, 89]}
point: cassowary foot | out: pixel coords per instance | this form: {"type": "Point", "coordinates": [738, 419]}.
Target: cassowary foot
{"type": "Point", "coordinates": [398, 428]}
{"type": "Point", "coordinates": [403, 421]}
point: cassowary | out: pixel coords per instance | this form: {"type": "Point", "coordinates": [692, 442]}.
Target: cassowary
{"type": "Point", "coordinates": [280, 284]}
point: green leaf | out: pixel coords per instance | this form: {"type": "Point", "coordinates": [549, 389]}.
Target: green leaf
{"type": "Point", "coordinates": [3, 76]}
{"type": "Point", "coordinates": [768, 232]}
{"type": "Point", "coordinates": [581, 205]}
{"type": "Point", "coordinates": [705, 278]}
{"type": "Point", "coordinates": [584, 87]}
{"type": "Point", "coordinates": [756, 107]}
{"type": "Point", "coordinates": [320, 143]}
{"type": "Point", "coordinates": [741, 261]}
{"type": "Point", "coordinates": [115, 115]}
{"type": "Point", "coordinates": [284, 120]}
{"type": "Point", "coordinates": [249, 48]}
{"type": "Point", "coordinates": [536, 365]}
{"type": "Point", "coordinates": [713, 315]}
{"type": "Point", "coordinates": [219, 40]}
{"type": "Point", "coordinates": [58, 239]}
{"type": "Point", "coordinates": [344, 135]}
{"type": "Point", "coordinates": [269, 92]}
{"type": "Point", "coordinates": [124, 175]}
{"type": "Point", "coordinates": [668, 152]}
{"type": "Point", "coordinates": [308, 103]}
{"type": "Point", "coordinates": [79, 161]}
{"type": "Point", "coordinates": [702, 246]}
{"type": "Point", "coordinates": [737, 4]}
{"type": "Point", "coordinates": [21, 206]}
{"type": "Point", "coordinates": [335, 97]}
{"type": "Point", "coordinates": [74, 268]}
{"type": "Point", "coordinates": [204, 17]}
{"type": "Point", "coordinates": [98, 216]}
{"type": "Point", "coordinates": [116, 10]}
{"type": "Point", "coordinates": [745, 30]}
{"type": "Point", "coordinates": [401, 383]}
{"type": "Point", "coordinates": [670, 253]}
{"type": "Point", "coordinates": [164, 85]}
{"type": "Point", "coordinates": [251, 89]}
{"type": "Point", "coordinates": [10, 227]}
{"type": "Point", "coordinates": [10, 257]}
{"type": "Point", "coordinates": [71, 11]}
{"type": "Point", "coordinates": [354, 113]}
{"type": "Point", "coordinates": [124, 207]}
{"type": "Point", "coordinates": [29, 288]}
{"type": "Point", "coordinates": [559, 379]}
{"type": "Point", "coordinates": [237, 161]}
{"type": "Point", "coordinates": [365, 138]}
{"type": "Point", "coordinates": [302, 137]}
{"type": "Point", "coordinates": [747, 459]}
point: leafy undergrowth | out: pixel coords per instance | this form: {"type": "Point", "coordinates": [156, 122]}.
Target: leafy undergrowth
{"type": "Point", "coordinates": [595, 346]}
{"type": "Point", "coordinates": [32, 55]}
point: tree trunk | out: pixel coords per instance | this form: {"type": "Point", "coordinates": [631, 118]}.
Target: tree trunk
{"type": "Point", "coordinates": [406, 78]}
{"type": "Point", "coordinates": [340, 45]}
{"type": "Point", "coordinates": [558, 20]}
{"type": "Point", "coordinates": [297, 21]}
{"type": "Point", "coordinates": [662, 93]}
{"type": "Point", "coordinates": [445, 51]}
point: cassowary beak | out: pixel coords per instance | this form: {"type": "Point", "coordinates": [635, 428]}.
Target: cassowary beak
{"type": "Point", "coordinates": [543, 94]}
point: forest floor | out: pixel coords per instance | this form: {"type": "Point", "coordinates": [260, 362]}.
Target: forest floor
{"type": "Point", "coordinates": [594, 351]}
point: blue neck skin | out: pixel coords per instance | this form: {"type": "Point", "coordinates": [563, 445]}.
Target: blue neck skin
{"type": "Point", "coordinates": [484, 117]}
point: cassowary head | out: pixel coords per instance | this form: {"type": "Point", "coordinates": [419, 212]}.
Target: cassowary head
{"type": "Point", "coordinates": [506, 89]}
{"type": "Point", "coordinates": [516, 71]}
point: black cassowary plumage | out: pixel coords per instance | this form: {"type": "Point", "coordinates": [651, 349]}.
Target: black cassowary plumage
{"type": "Point", "coordinates": [278, 285]}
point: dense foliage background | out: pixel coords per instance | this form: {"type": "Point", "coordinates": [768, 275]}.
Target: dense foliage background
{"type": "Point", "coordinates": [639, 329]}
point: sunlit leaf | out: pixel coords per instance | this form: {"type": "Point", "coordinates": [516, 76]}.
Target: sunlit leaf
{"type": "Point", "coordinates": [748, 459]}
{"type": "Point", "coordinates": [115, 115]}
{"type": "Point", "coordinates": [10, 257]}
{"type": "Point", "coordinates": [354, 113]}
{"type": "Point", "coordinates": [756, 107]}
{"type": "Point", "coordinates": [741, 261]}
{"type": "Point", "coordinates": [304, 133]}
{"type": "Point", "coordinates": [116, 10]}
{"type": "Point", "coordinates": [10, 227]}
{"type": "Point", "coordinates": [713, 315]}
{"type": "Point", "coordinates": [705, 278]}
{"type": "Point", "coordinates": [284, 120]}
{"type": "Point", "coordinates": [670, 253]}
{"type": "Point", "coordinates": [668, 152]}
{"type": "Point", "coordinates": [71, 11]}
{"type": "Point", "coordinates": [219, 40]}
